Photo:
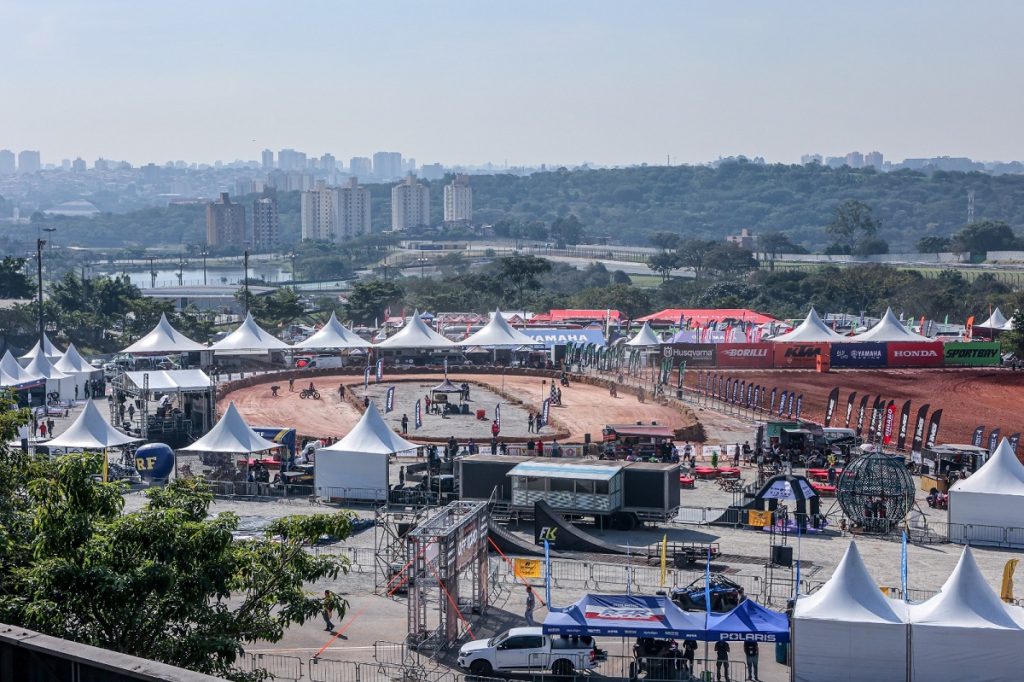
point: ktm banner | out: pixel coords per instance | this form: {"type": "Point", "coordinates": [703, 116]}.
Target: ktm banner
{"type": "Point", "coordinates": [890, 424]}
{"type": "Point", "coordinates": [798, 355]}
{"type": "Point", "coordinates": [904, 424]}
{"type": "Point", "coordinates": [933, 428]}
{"type": "Point", "coordinates": [745, 355]}
{"type": "Point", "coordinates": [922, 414]}
{"type": "Point", "coordinates": [849, 407]}
{"type": "Point", "coordinates": [914, 354]}
{"type": "Point", "coordinates": [830, 407]}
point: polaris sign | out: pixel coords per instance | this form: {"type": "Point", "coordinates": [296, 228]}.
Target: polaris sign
{"type": "Point", "coordinates": [745, 637]}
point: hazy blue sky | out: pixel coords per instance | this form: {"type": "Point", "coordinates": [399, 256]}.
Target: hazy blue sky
{"type": "Point", "coordinates": [527, 82]}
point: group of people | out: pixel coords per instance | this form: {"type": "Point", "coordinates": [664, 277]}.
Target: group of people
{"type": "Point", "coordinates": [655, 653]}
{"type": "Point", "coordinates": [534, 422]}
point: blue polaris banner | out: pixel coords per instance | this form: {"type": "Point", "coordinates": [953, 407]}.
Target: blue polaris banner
{"type": "Point", "coordinates": [561, 337]}
{"type": "Point", "coordinates": [862, 354]}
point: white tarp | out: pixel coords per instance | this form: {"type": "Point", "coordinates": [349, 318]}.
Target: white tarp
{"type": "Point", "coordinates": [333, 336]}
{"type": "Point", "coordinates": [812, 329]}
{"type": "Point", "coordinates": [164, 339]}
{"type": "Point", "coordinates": [498, 333]}
{"type": "Point", "coordinates": [995, 321]}
{"type": "Point", "coordinates": [52, 352]}
{"type": "Point", "coordinates": [965, 628]}
{"type": "Point", "coordinates": [170, 379]}
{"type": "Point", "coordinates": [848, 631]}
{"type": "Point", "coordinates": [889, 328]}
{"type": "Point", "coordinates": [249, 337]}
{"type": "Point", "coordinates": [416, 335]}
{"type": "Point", "coordinates": [232, 435]}
{"type": "Point", "coordinates": [90, 431]}
{"type": "Point", "coordinates": [645, 337]}
{"type": "Point", "coordinates": [991, 497]}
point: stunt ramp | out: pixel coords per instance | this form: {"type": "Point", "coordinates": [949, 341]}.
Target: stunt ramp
{"type": "Point", "coordinates": [561, 535]}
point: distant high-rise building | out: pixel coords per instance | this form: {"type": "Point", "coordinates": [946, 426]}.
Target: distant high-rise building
{"type": "Point", "coordinates": [855, 160]}
{"type": "Point", "coordinates": [78, 165]}
{"type": "Point", "coordinates": [225, 222]}
{"type": "Point", "coordinates": [874, 160]}
{"type": "Point", "coordinates": [317, 208]}
{"type": "Point", "coordinates": [353, 210]}
{"type": "Point", "coordinates": [65, 164]}
{"type": "Point", "coordinates": [291, 160]}
{"type": "Point", "coordinates": [268, 159]}
{"type": "Point", "coordinates": [100, 164]}
{"type": "Point", "coordinates": [360, 166]}
{"type": "Point", "coordinates": [409, 166]}
{"type": "Point", "coordinates": [8, 162]}
{"type": "Point", "coordinates": [835, 161]}
{"type": "Point", "coordinates": [432, 171]}
{"type": "Point", "coordinates": [28, 162]}
{"type": "Point", "coordinates": [810, 158]}
{"type": "Point", "coordinates": [458, 200]}
{"type": "Point", "coordinates": [410, 204]}
{"type": "Point", "coordinates": [328, 163]}
{"type": "Point", "coordinates": [265, 221]}
{"type": "Point", "coordinates": [387, 165]}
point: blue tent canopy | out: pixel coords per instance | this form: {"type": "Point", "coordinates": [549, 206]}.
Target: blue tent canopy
{"type": "Point", "coordinates": [625, 616]}
{"type": "Point", "coordinates": [748, 622]}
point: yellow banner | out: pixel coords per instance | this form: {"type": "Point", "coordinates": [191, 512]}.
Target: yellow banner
{"type": "Point", "coordinates": [758, 518]}
{"type": "Point", "coordinates": [529, 568]}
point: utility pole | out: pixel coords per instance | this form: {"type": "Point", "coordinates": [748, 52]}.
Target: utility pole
{"type": "Point", "coordinates": [152, 274]}
{"type": "Point", "coordinates": [245, 281]}
{"type": "Point", "coordinates": [204, 254]}
{"type": "Point", "coordinates": [40, 243]}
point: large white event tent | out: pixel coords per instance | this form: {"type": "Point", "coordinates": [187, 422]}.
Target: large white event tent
{"type": "Point", "coordinates": [90, 431]}
{"type": "Point", "coordinates": [356, 467]}
{"type": "Point", "coordinates": [333, 336]}
{"type": "Point", "coordinates": [645, 338]}
{"type": "Point", "coordinates": [964, 628]}
{"type": "Point", "coordinates": [231, 435]}
{"type": "Point", "coordinates": [12, 373]}
{"type": "Point", "coordinates": [52, 352]}
{"type": "Point", "coordinates": [498, 333]}
{"type": "Point", "coordinates": [848, 630]}
{"type": "Point", "coordinates": [993, 497]}
{"type": "Point", "coordinates": [811, 330]}
{"type": "Point", "coordinates": [890, 329]}
{"type": "Point", "coordinates": [164, 339]}
{"type": "Point", "coordinates": [1008, 327]}
{"type": "Point", "coordinates": [995, 321]}
{"type": "Point", "coordinates": [75, 366]}
{"type": "Point", "coordinates": [415, 335]}
{"type": "Point", "coordinates": [249, 337]}
{"type": "Point", "coordinates": [56, 381]}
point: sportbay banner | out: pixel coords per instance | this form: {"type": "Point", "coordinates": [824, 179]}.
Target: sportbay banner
{"type": "Point", "coordinates": [830, 407]}
{"type": "Point", "coordinates": [849, 408]}
{"type": "Point", "coordinates": [904, 424]}
{"type": "Point", "coordinates": [798, 355]}
{"type": "Point", "coordinates": [919, 423]}
{"type": "Point", "coordinates": [974, 354]}
{"type": "Point", "coordinates": [862, 354]}
{"type": "Point", "coordinates": [745, 355]}
{"type": "Point", "coordinates": [933, 428]}
{"type": "Point", "coordinates": [695, 354]}
{"type": "Point", "coordinates": [914, 354]}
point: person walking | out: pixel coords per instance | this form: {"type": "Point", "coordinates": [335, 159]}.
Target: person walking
{"type": "Point", "coordinates": [530, 603]}
{"type": "Point", "coordinates": [291, 384]}
{"type": "Point", "coordinates": [529, 423]}
{"type": "Point", "coordinates": [405, 425]}
{"type": "Point", "coordinates": [689, 653]}
{"type": "Point", "coordinates": [328, 611]}
{"type": "Point", "coordinates": [49, 426]}
{"type": "Point", "coordinates": [42, 430]}
{"type": "Point", "coordinates": [750, 651]}
{"type": "Point", "coordinates": [721, 659]}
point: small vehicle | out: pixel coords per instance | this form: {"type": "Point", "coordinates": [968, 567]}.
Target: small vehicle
{"type": "Point", "coordinates": [725, 595]}
{"type": "Point", "coordinates": [306, 393]}
{"type": "Point", "coordinates": [530, 649]}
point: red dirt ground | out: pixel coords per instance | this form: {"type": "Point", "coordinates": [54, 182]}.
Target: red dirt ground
{"type": "Point", "coordinates": [967, 397]}
{"type": "Point", "coordinates": [586, 408]}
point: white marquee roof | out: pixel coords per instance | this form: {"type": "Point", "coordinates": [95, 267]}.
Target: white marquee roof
{"type": "Point", "coordinates": [850, 595]}
{"type": "Point", "coordinates": [91, 432]}
{"type": "Point", "coordinates": [73, 362]}
{"type": "Point", "coordinates": [996, 320]}
{"type": "Point", "coordinates": [12, 373]}
{"type": "Point", "coordinates": [1009, 323]}
{"type": "Point", "coordinates": [416, 334]}
{"type": "Point", "coordinates": [889, 328]}
{"type": "Point", "coordinates": [498, 333]}
{"type": "Point", "coordinates": [52, 351]}
{"type": "Point", "coordinates": [370, 436]}
{"type": "Point", "coordinates": [249, 337]}
{"type": "Point", "coordinates": [41, 368]}
{"type": "Point", "coordinates": [966, 600]}
{"type": "Point", "coordinates": [164, 339]}
{"type": "Point", "coordinates": [171, 379]}
{"type": "Point", "coordinates": [1001, 474]}
{"type": "Point", "coordinates": [645, 337]}
{"type": "Point", "coordinates": [334, 335]}
{"type": "Point", "coordinates": [812, 329]}
{"type": "Point", "coordinates": [232, 435]}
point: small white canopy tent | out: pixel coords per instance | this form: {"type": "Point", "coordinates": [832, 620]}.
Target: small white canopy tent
{"type": "Point", "coordinates": [645, 338]}
{"type": "Point", "coordinates": [992, 496]}
{"type": "Point", "coordinates": [498, 333]}
{"type": "Point", "coordinates": [995, 321]}
{"type": "Point", "coordinates": [1008, 327]}
{"type": "Point", "coordinates": [416, 335]}
{"type": "Point", "coordinates": [848, 630]}
{"type": "Point", "coordinates": [12, 373]}
{"type": "Point", "coordinates": [75, 366]}
{"type": "Point", "coordinates": [811, 330]}
{"type": "Point", "coordinates": [52, 352]}
{"type": "Point", "coordinates": [164, 339]}
{"type": "Point", "coordinates": [356, 467]}
{"type": "Point", "coordinates": [232, 435]}
{"type": "Point", "coordinates": [170, 380]}
{"type": "Point", "coordinates": [56, 381]}
{"type": "Point", "coordinates": [249, 337]}
{"type": "Point", "coordinates": [890, 329]}
{"type": "Point", "coordinates": [965, 627]}
{"type": "Point", "coordinates": [333, 336]}
{"type": "Point", "coordinates": [90, 432]}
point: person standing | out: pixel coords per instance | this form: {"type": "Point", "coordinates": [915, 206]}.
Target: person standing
{"type": "Point", "coordinates": [530, 603]}
{"type": "Point", "coordinates": [291, 384]}
{"type": "Point", "coordinates": [341, 391]}
{"type": "Point", "coordinates": [714, 459]}
{"type": "Point", "coordinates": [750, 651]}
{"type": "Point", "coordinates": [689, 653]}
{"type": "Point", "coordinates": [42, 430]}
{"type": "Point", "coordinates": [529, 423]}
{"type": "Point", "coordinates": [540, 448]}
{"type": "Point", "coordinates": [328, 611]}
{"type": "Point", "coordinates": [494, 445]}
{"type": "Point", "coordinates": [495, 429]}
{"type": "Point", "coordinates": [736, 456]}
{"type": "Point", "coordinates": [530, 446]}
{"type": "Point", "coordinates": [721, 659]}
{"type": "Point", "coordinates": [405, 425]}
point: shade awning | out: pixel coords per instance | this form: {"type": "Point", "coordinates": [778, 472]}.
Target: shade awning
{"type": "Point", "coordinates": [333, 336]}
{"type": "Point", "coordinates": [232, 435]}
{"type": "Point", "coordinates": [249, 337]}
{"type": "Point", "coordinates": [416, 335]}
{"type": "Point", "coordinates": [164, 339]}
{"type": "Point", "coordinates": [645, 338]}
{"type": "Point", "coordinates": [582, 472]}
{"type": "Point", "coordinates": [624, 616]}
{"type": "Point", "coordinates": [890, 329]}
{"type": "Point", "coordinates": [446, 386]}
{"type": "Point", "coordinates": [170, 380]}
{"type": "Point", "coordinates": [498, 333]}
{"type": "Point", "coordinates": [811, 330]}
{"type": "Point", "coordinates": [371, 435]}
{"type": "Point", "coordinates": [90, 431]}
{"type": "Point", "coordinates": [748, 621]}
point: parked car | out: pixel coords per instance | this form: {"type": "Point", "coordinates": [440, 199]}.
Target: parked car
{"type": "Point", "coordinates": [530, 649]}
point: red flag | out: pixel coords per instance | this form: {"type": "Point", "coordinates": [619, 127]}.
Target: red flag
{"type": "Point", "coordinates": [890, 421]}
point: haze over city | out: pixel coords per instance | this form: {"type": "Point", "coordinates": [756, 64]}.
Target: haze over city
{"type": "Point", "coordinates": [521, 83]}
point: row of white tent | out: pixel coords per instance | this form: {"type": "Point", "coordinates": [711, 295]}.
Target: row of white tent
{"type": "Point", "coordinates": [849, 630]}
{"type": "Point", "coordinates": [61, 371]}
{"type": "Point", "coordinates": [998, 321]}
{"type": "Point", "coordinates": [991, 497]}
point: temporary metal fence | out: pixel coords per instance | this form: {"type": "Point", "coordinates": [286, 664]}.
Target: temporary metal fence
{"type": "Point", "coordinates": [331, 670]}
{"type": "Point", "coordinates": [279, 666]}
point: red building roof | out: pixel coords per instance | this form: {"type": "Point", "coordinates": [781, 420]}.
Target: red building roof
{"type": "Point", "coordinates": [701, 316]}
{"type": "Point", "coordinates": [577, 315]}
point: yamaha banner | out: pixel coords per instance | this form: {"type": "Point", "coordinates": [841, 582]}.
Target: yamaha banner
{"type": "Point", "coordinates": [366, 378]}
{"type": "Point", "coordinates": [979, 436]}
{"type": "Point", "coordinates": [860, 415]}
{"type": "Point", "coordinates": [418, 415]}
{"type": "Point", "coordinates": [799, 405]}
{"type": "Point", "coordinates": [728, 389]}
{"type": "Point", "coordinates": [750, 395]}
{"type": "Point", "coordinates": [849, 408]}
{"type": "Point", "coordinates": [876, 409]}
{"type": "Point", "coordinates": [782, 402]}
{"type": "Point", "coordinates": [830, 407]}
{"type": "Point", "coordinates": [1014, 439]}
{"type": "Point", "coordinates": [933, 428]}
{"type": "Point", "coordinates": [380, 371]}
{"type": "Point", "coordinates": [789, 409]}
{"type": "Point", "coordinates": [757, 397]}
{"type": "Point", "coordinates": [771, 403]}
{"type": "Point", "coordinates": [993, 440]}
{"type": "Point", "coordinates": [919, 423]}
{"type": "Point", "coordinates": [901, 441]}
{"type": "Point", "coordinates": [389, 400]}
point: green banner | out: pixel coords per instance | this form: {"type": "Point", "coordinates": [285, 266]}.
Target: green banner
{"type": "Point", "coordinates": [972, 354]}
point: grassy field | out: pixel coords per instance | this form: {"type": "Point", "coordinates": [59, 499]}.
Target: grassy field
{"type": "Point", "coordinates": [646, 281]}
{"type": "Point", "coordinates": [1014, 278]}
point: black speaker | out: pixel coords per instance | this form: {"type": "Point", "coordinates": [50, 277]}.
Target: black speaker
{"type": "Point", "coordinates": [782, 555]}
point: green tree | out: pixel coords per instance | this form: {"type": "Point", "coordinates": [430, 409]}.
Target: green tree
{"type": "Point", "coordinates": [521, 273]}
{"type": "Point", "coordinates": [852, 223]}
{"type": "Point", "coordinates": [729, 259]}
{"type": "Point", "coordinates": [14, 282]}
{"type": "Point", "coordinates": [987, 235]}
{"type": "Point", "coordinates": [933, 244]}
{"type": "Point", "coordinates": [773, 243]}
{"type": "Point", "coordinates": [693, 254]}
{"type": "Point", "coordinates": [1013, 340]}
{"type": "Point", "coordinates": [567, 230]}
{"type": "Point", "coordinates": [664, 263]}
{"type": "Point", "coordinates": [633, 302]}
{"type": "Point", "coordinates": [370, 298]}
{"type": "Point", "coordinates": [666, 241]}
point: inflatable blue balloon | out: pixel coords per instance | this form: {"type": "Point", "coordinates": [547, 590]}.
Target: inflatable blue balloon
{"type": "Point", "coordinates": [154, 461]}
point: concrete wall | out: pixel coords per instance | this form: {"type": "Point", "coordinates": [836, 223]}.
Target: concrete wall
{"type": "Point", "coordinates": [945, 258]}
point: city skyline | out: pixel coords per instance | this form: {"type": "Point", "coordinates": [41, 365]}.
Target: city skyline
{"type": "Point", "coordinates": [527, 85]}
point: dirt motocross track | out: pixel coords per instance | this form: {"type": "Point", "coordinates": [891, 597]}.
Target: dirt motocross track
{"type": "Point", "coordinates": [968, 398]}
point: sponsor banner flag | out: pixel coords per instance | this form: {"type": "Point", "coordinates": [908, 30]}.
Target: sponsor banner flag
{"type": "Point", "coordinates": [799, 405]}
{"type": "Point", "coordinates": [862, 354]}
{"type": "Point", "coordinates": [771, 403]}
{"type": "Point", "coordinates": [1014, 439]}
{"type": "Point", "coordinates": [974, 354]}
{"type": "Point", "coordinates": [366, 378]}
{"type": "Point", "coordinates": [545, 411]}
{"type": "Point", "coordinates": [890, 423]}
{"type": "Point", "coordinates": [919, 422]}
{"type": "Point", "coordinates": [380, 371]}
{"type": "Point", "coordinates": [993, 440]}
{"type": "Point", "coordinates": [728, 389]}
{"type": "Point", "coordinates": [782, 402]}
{"type": "Point", "coordinates": [901, 440]}
{"type": "Point", "coordinates": [876, 409]}
{"type": "Point", "coordinates": [914, 354]}
{"type": "Point", "coordinates": [750, 395]}
{"type": "Point", "coordinates": [933, 428]}
{"type": "Point", "coordinates": [389, 399]}
{"type": "Point", "coordinates": [418, 414]}
{"type": "Point", "coordinates": [979, 436]}
{"type": "Point", "coordinates": [860, 414]}
{"type": "Point", "coordinates": [497, 414]}
{"type": "Point", "coordinates": [830, 407]}
{"type": "Point", "coordinates": [789, 408]}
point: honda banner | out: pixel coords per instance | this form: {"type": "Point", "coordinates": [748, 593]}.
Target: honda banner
{"type": "Point", "coordinates": [862, 354]}
{"type": "Point", "coordinates": [798, 355]}
{"type": "Point", "coordinates": [901, 442]}
{"type": "Point", "coordinates": [914, 354]}
{"type": "Point", "coordinates": [919, 423]}
{"type": "Point", "coordinates": [830, 407]}
{"type": "Point", "coordinates": [890, 424]}
{"type": "Point", "coordinates": [979, 436]}
{"type": "Point", "coordinates": [849, 407]}
{"type": "Point", "coordinates": [993, 440]}
{"type": "Point", "coordinates": [974, 354]}
{"type": "Point", "coordinates": [695, 354]}
{"type": "Point", "coordinates": [745, 355]}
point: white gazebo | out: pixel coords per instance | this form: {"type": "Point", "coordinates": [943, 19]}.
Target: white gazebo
{"type": "Point", "coordinates": [811, 330]}
{"type": "Point", "coordinates": [416, 335]}
{"type": "Point", "coordinates": [498, 333]}
{"type": "Point", "coordinates": [645, 338]}
{"type": "Point", "coordinates": [231, 435]}
{"type": "Point", "coordinates": [848, 630]}
{"type": "Point", "coordinates": [890, 329]}
{"type": "Point", "coordinates": [57, 381]}
{"type": "Point", "coordinates": [52, 352]}
{"type": "Point", "coordinates": [1008, 327]}
{"type": "Point", "coordinates": [75, 366]}
{"type": "Point", "coordinates": [164, 339]}
{"type": "Point", "coordinates": [992, 497]}
{"type": "Point", "coordinates": [90, 431]}
{"type": "Point", "coordinates": [356, 467]}
{"type": "Point", "coordinates": [995, 321]}
{"type": "Point", "coordinates": [333, 336]}
{"type": "Point", "coordinates": [13, 374]}
{"type": "Point", "coordinates": [248, 338]}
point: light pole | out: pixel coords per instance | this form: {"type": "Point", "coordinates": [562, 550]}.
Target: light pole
{"type": "Point", "coordinates": [204, 253]}
{"type": "Point", "coordinates": [245, 282]}
{"type": "Point", "coordinates": [40, 243]}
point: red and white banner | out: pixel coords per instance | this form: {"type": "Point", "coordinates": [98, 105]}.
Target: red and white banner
{"type": "Point", "coordinates": [890, 423]}
{"type": "Point", "coordinates": [745, 355]}
{"type": "Point", "coordinates": [914, 354]}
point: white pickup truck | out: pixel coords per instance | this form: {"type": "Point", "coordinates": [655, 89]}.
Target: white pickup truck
{"type": "Point", "coordinates": [530, 649]}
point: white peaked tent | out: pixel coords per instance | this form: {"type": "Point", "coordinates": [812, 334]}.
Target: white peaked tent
{"type": "Point", "coordinates": [645, 337]}
{"type": "Point", "coordinates": [164, 339]}
{"type": "Point", "coordinates": [75, 366]}
{"type": "Point", "coordinates": [52, 352]}
{"type": "Point", "coordinates": [56, 381]}
{"type": "Point", "coordinates": [12, 373]}
{"type": "Point", "coordinates": [356, 467]}
{"type": "Point", "coordinates": [995, 321]}
{"type": "Point", "coordinates": [249, 337]}
{"type": "Point", "coordinates": [90, 432]}
{"type": "Point", "coordinates": [334, 336]}
{"type": "Point", "coordinates": [1009, 323]}
{"type": "Point", "coordinates": [889, 328]}
{"type": "Point", "coordinates": [232, 435]}
{"type": "Point", "coordinates": [416, 335]}
{"type": "Point", "coordinates": [848, 630]}
{"type": "Point", "coordinates": [498, 333]}
{"type": "Point", "coordinates": [965, 628]}
{"type": "Point", "coordinates": [812, 329]}
{"type": "Point", "coordinates": [992, 496]}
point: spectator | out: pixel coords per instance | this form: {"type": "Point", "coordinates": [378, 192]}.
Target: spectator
{"type": "Point", "coordinates": [721, 659]}
{"type": "Point", "coordinates": [530, 603]}
{"type": "Point", "coordinates": [495, 429]}
{"type": "Point", "coordinates": [530, 447]}
{"type": "Point", "coordinates": [529, 423]}
{"type": "Point", "coordinates": [750, 651]}
{"type": "Point", "coordinates": [405, 424]}
{"type": "Point", "coordinates": [540, 448]}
